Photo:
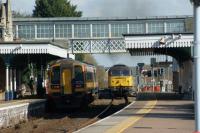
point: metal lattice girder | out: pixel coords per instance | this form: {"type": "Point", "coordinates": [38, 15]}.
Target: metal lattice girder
{"type": "Point", "coordinates": [98, 45]}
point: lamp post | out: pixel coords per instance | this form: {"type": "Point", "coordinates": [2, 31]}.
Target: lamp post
{"type": "Point", "coordinates": [196, 56]}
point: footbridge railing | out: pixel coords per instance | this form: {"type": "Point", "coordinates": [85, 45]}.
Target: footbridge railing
{"type": "Point", "coordinates": [114, 45]}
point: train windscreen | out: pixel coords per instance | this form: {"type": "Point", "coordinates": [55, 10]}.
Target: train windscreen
{"type": "Point", "coordinates": [120, 72]}
{"type": "Point", "coordinates": [55, 75]}
{"type": "Point", "coordinates": [78, 72]}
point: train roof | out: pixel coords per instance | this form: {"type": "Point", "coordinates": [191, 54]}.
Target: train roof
{"type": "Point", "coordinates": [68, 61]}
{"type": "Point", "coordinates": [119, 66]}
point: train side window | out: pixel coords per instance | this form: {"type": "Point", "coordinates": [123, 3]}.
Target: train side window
{"type": "Point", "coordinates": [78, 73]}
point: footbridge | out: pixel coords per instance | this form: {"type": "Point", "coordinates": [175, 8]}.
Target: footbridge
{"type": "Point", "coordinates": [105, 35]}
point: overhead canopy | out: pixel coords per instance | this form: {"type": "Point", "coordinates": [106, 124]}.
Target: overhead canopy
{"type": "Point", "coordinates": [32, 48]}
{"type": "Point", "coordinates": [138, 41]}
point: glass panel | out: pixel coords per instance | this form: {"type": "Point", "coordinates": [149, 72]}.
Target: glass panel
{"type": "Point", "coordinates": [120, 72]}
{"type": "Point", "coordinates": [118, 29]}
{"type": "Point", "coordinates": [137, 28]}
{"type": "Point", "coordinates": [100, 30]}
{"type": "Point", "coordinates": [89, 76]}
{"type": "Point", "coordinates": [26, 31]}
{"type": "Point", "coordinates": [55, 75]}
{"type": "Point", "coordinates": [156, 27]}
{"type": "Point", "coordinates": [175, 27]}
{"type": "Point", "coordinates": [45, 31]}
{"type": "Point", "coordinates": [81, 30]}
{"type": "Point", "coordinates": [78, 73]}
{"type": "Point", "coordinates": [63, 30]}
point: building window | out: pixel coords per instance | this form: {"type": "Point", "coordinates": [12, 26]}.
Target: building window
{"type": "Point", "coordinates": [26, 31]}
{"type": "Point", "coordinates": [81, 31]}
{"type": "Point", "coordinates": [155, 27]}
{"type": "Point", "coordinates": [137, 28]}
{"type": "Point", "coordinates": [100, 30]}
{"type": "Point", "coordinates": [63, 30]}
{"type": "Point", "coordinates": [172, 27]}
{"type": "Point", "coordinates": [45, 31]}
{"type": "Point", "coordinates": [118, 29]}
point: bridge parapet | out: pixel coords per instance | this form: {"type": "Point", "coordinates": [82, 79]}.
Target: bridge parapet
{"type": "Point", "coordinates": [116, 45]}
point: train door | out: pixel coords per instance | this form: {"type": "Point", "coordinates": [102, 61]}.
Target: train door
{"type": "Point", "coordinates": [66, 77]}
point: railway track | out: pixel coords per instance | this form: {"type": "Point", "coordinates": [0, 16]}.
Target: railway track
{"type": "Point", "coordinates": [94, 119]}
{"type": "Point", "coordinates": [70, 120]}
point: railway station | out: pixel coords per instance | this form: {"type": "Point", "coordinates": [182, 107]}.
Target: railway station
{"type": "Point", "coordinates": [37, 65]}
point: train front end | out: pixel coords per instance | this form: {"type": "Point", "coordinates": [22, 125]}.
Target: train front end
{"type": "Point", "coordinates": [120, 80]}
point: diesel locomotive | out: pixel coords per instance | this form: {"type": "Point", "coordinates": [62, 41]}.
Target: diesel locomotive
{"type": "Point", "coordinates": [120, 81]}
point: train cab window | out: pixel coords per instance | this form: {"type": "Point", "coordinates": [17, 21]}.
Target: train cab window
{"type": "Point", "coordinates": [115, 73]}
{"type": "Point", "coordinates": [55, 75]}
{"type": "Point", "coordinates": [89, 76]}
{"type": "Point", "coordinates": [126, 72]}
{"type": "Point", "coordinates": [78, 73]}
{"type": "Point", "coordinates": [119, 72]}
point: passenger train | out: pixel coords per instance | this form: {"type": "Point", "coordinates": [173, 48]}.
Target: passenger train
{"type": "Point", "coordinates": [71, 82]}
{"type": "Point", "coordinates": [120, 81]}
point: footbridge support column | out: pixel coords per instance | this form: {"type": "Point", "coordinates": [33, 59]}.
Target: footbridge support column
{"type": "Point", "coordinates": [7, 88]}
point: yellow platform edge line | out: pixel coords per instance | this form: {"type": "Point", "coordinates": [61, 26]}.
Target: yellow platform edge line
{"type": "Point", "coordinates": [119, 128]}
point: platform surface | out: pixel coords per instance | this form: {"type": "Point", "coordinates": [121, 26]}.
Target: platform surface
{"type": "Point", "coordinates": [148, 116]}
{"type": "Point", "coordinates": [4, 104]}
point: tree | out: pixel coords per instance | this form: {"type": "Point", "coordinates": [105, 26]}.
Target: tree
{"type": "Point", "coordinates": [88, 58]}
{"type": "Point", "coordinates": [55, 8]}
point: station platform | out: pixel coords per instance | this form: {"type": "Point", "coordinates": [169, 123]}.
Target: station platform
{"type": "Point", "coordinates": [17, 111]}
{"type": "Point", "coordinates": [166, 116]}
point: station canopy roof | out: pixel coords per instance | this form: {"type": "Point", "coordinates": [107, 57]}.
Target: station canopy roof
{"type": "Point", "coordinates": [32, 47]}
{"type": "Point", "coordinates": [140, 41]}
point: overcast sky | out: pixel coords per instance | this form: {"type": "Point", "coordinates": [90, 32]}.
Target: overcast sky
{"type": "Point", "coordinates": [119, 8]}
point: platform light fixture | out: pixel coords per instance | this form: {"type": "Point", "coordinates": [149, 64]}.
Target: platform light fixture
{"type": "Point", "coordinates": [162, 41]}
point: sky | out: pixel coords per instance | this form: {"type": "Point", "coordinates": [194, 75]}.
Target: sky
{"type": "Point", "coordinates": [119, 8]}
